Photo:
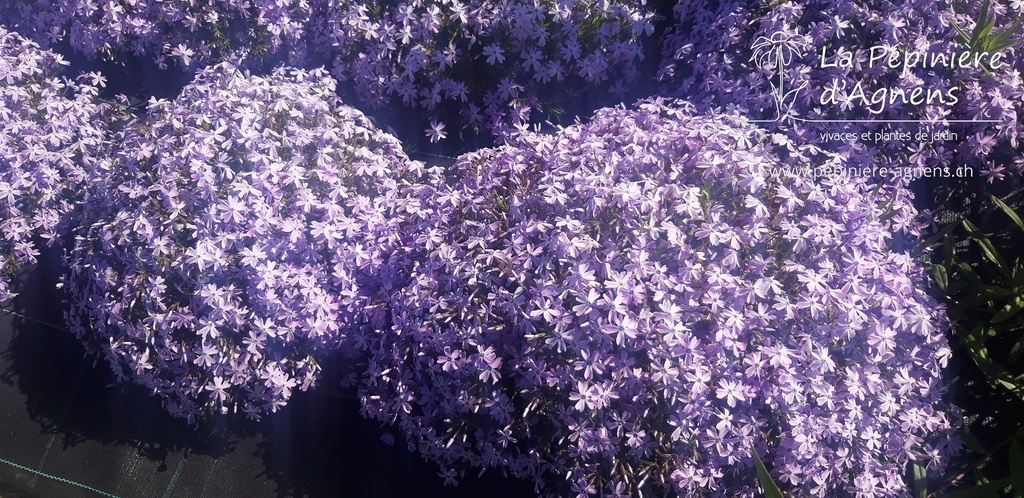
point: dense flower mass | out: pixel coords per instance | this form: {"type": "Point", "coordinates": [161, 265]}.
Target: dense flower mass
{"type": "Point", "coordinates": [624, 307]}
{"type": "Point", "coordinates": [50, 126]}
{"type": "Point", "coordinates": [630, 305]}
{"type": "Point", "coordinates": [482, 63]}
{"type": "Point", "coordinates": [234, 238]}
{"type": "Point", "coordinates": [186, 33]}
{"type": "Point", "coordinates": [886, 61]}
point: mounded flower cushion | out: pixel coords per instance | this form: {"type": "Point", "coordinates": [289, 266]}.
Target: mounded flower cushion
{"type": "Point", "coordinates": [632, 304]}
{"type": "Point", "coordinates": [235, 240]}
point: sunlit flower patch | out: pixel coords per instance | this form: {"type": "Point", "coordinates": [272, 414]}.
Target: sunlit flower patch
{"type": "Point", "coordinates": [630, 305]}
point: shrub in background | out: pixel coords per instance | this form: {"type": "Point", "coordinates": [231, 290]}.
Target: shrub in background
{"type": "Point", "coordinates": [188, 33]}
{"type": "Point", "coordinates": [628, 306]}
{"type": "Point", "coordinates": [479, 63]}
{"type": "Point", "coordinates": [978, 267]}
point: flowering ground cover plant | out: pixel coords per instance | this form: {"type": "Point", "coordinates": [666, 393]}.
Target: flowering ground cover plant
{"type": "Point", "coordinates": [50, 128]}
{"type": "Point", "coordinates": [232, 240]}
{"type": "Point", "coordinates": [480, 63]}
{"type": "Point", "coordinates": [628, 306]}
{"type": "Point", "coordinates": [635, 305]}
{"type": "Point", "coordinates": [855, 58]}
{"type": "Point", "coordinates": [840, 62]}
{"type": "Point", "coordinates": [187, 33]}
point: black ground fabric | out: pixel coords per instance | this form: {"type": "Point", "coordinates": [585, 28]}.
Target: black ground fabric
{"type": "Point", "coordinates": [67, 431]}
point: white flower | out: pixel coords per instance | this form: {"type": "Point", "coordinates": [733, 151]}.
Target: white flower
{"type": "Point", "coordinates": [184, 53]}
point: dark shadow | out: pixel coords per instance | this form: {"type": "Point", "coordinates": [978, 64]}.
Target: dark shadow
{"type": "Point", "coordinates": [319, 445]}
{"type": "Point", "coordinates": [88, 428]}
{"type": "Point", "coordinates": [76, 397]}
{"type": "Point", "coordinates": [134, 76]}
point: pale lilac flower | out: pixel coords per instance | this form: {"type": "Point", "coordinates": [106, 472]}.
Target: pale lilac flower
{"type": "Point", "coordinates": [184, 53]}
{"type": "Point", "coordinates": [993, 172]}
{"type": "Point", "coordinates": [188, 32]}
{"type": "Point", "coordinates": [425, 55]}
{"type": "Point", "coordinates": [436, 131]}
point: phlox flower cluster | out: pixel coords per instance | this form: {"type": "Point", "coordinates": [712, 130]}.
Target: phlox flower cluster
{"type": "Point", "coordinates": [50, 128]}
{"type": "Point", "coordinates": [235, 236]}
{"type": "Point", "coordinates": [484, 64]}
{"type": "Point", "coordinates": [753, 58]}
{"type": "Point", "coordinates": [186, 33]}
{"type": "Point", "coordinates": [626, 307]}
{"type": "Point", "coordinates": [487, 64]}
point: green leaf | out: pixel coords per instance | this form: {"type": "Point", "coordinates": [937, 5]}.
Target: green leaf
{"type": "Point", "coordinates": [941, 278]}
{"type": "Point", "coordinates": [1016, 461]}
{"type": "Point", "coordinates": [939, 235]}
{"type": "Point", "coordinates": [1010, 309]}
{"type": "Point", "coordinates": [920, 481]}
{"type": "Point", "coordinates": [966, 40]}
{"type": "Point", "coordinates": [956, 286]}
{"type": "Point", "coordinates": [990, 291]}
{"type": "Point", "coordinates": [1006, 209]}
{"type": "Point", "coordinates": [1018, 274]}
{"type": "Point", "coordinates": [1016, 351]}
{"type": "Point", "coordinates": [987, 248]}
{"type": "Point", "coordinates": [984, 38]}
{"type": "Point", "coordinates": [1003, 42]}
{"type": "Point", "coordinates": [1013, 385]}
{"type": "Point", "coordinates": [972, 442]}
{"type": "Point", "coordinates": [997, 375]}
{"type": "Point", "coordinates": [983, 35]}
{"type": "Point", "coordinates": [983, 15]}
{"type": "Point", "coordinates": [986, 490]}
{"type": "Point", "coordinates": [1003, 39]}
{"type": "Point", "coordinates": [771, 490]}
{"type": "Point", "coordinates": [984, 23]}
{"type": "Point", "coordinates": [948, 247]}
{"type": "Point", "coordinates": [970, 274]}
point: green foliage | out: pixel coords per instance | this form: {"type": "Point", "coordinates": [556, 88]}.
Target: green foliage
{"type": "Point", "coordinates": [986, 294]}
{"type": "Point", "coordinates": [980, 268]}
{"type": "Point", "coordinates": [771, 490]}
{"type": "Point", "coordinates": [920, 480]}
{"type": "Point", "coordinates": [984, 38]}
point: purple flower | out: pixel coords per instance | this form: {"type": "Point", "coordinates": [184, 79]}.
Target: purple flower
{"type": "Point", "coordinates": [493, 54]}
{"type": "Point", "coordinates": [436, 131]}
{"type": "Point", "coordinates": [186, 32]}
{"type": "Point", "coordinates": [811, 75]}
